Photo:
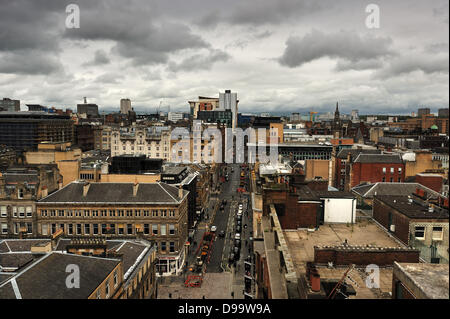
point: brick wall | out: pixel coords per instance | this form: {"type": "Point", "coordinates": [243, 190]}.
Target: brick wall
{"type": "Point", "coordinates": [406, 294]}
{"type": "Point", "coordinates": [435, 182]}
{"type": "Point", "coordinates": [360, 255]}
{"type": "Point", "coordinates": [381, 214]}
{"type": "Point", "coordinates": [373, 173]}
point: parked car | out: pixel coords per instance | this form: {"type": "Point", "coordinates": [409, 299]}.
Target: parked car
{"type": "Point", "coordinates": [213, 228]}
{"type": "Point", "coordinates": [239, 217]}
{"type": "Point", "coordinates": [236, 252]}
{"type": "Point", "coordinates": [238, 229]}
{"type": "Point", "coordinates": [237, 243]}
{"type": "Point", "coordinates": [237, 236]}
{"type": "Point", "coordinates": [231, 258]}
{"type": "Point", "coordinates": [239, 223]}
{"type": "Point", "coordinates": [222, 234]}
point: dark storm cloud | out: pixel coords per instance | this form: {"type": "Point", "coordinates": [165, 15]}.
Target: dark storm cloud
{"type": "Point", "coordinates": [136, 33]}
{"type": "Point", "coordinates": [344, 45]}
{"type": "Point", "coordinates": [199, 61]}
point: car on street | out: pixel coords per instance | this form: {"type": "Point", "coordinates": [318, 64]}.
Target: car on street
{"type": "Point", "coordinates": [231, 258]}
{"type": "Point", "coordinates": [238, 229]}
{"type": "Point", "coordinates": [222, 234]}
{"type": "Point", "coordinates": [237, 236]}
{"type": "Point", "coordinates": [213, 228]}
{"type": "Point", "coordinates": [239, 223]}
{"type": "Point", "coordinates": [239, 217]}
{"type": "Point", "coordinates": [240, 206]}
{"type": "Point", "coordinates": [236, 252]}
{"type": "Point", "coordinates": [237, 243]}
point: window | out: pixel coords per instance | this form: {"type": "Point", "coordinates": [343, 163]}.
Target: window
{"type": "Point", "coordinates": [116, 281]}
{"type": "Point", "coordinates": [419, 232]}
{"type": "Point", "coordinates": [20, 193]}
{"type": "Point", "coordinates": [163, 246]}
{"type": "Point", "coordinates": [14, 209]}
{"type": "Point", "coordinates": [163, 213]}
{"type": "Point", "coordinates": [383, 179]}
{"type": "Point", "coordinates": [154, 213]}
{"type": "Point", "coordinates": [3, 211]}
{"type": "Point", "coordinates": [172, 246]}
{"type": "Point", "coordinates": [171, 229]}
{"type": "Point", "coordinates": [113, 228]}
{"type": "Point", "coordinates": [146, 229]}
{"type": "Point", "coordinates": [4, 228]}
{"type": "Point", "coordinates": [21, 212]}
{"type": "Point", "coordinates": [103, 229]}
{"type": "Point", "coordinates": [129, 229]}
{"type": "Point", "coordinates": [384, 170]}
{"type": "Point", "coordinates": [172, 213]}
{"type": "Point", "coordinates": [60, 213]}
{"type": "Point", "coordinates": [121, 231]}
{"type": "Point", "coordinates": [87, 229]}
{"type": "Point", "coordinates": [155, 229]}
{"type": "Point", "coordinates": [163, 230]}
{"type": "Point", "coordinates": [78, 229]}
{"type": "Point", "coordinates": [107, 289]}
{"type": "Point", "coordinates": [392, 170]}
{"type": "Point", "coordinates": [399, 170]}
{"type": "Point", "coordinates": [45, 229]}
{"type": "Point", "coordinates": [29, 211]}
{"type": "Point", "coordinates": [437, 233]}
{"type": "Point", "coordinates": [391, 179]}
{"type": "Point", "coordinates": [69, 230]}
{"type": "Point", "coordinates": [95, 229]}
{"type": "Point", "coordinates": [29, 228]}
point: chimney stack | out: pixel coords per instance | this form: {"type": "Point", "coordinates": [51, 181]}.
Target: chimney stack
{"type": "Point", "coordinates": [86, 189]}
{"type": "Point", "coordinates": [44, 191]}
{"type": "Point", "coordinates": [135, 189]}
{"type": "Point", "coordinates": [180, 191]}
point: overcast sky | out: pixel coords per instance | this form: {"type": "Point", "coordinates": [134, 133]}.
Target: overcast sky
{"type": "Point", "coordinates": [279, 56]}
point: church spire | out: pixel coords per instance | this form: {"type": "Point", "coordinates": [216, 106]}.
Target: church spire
{"type": "Point", "coordinates": [337, 107]}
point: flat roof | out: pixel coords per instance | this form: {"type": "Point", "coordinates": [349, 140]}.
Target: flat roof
{"type": "Point", "coordinates": [430, 279]}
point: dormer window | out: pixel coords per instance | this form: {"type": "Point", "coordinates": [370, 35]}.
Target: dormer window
{"type": "Point", "coordinates": [20, 193]}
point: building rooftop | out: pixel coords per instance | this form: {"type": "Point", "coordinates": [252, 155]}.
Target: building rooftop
{"type": "Point", "coordinates": [116, 193]}
{"type": "Point", "coordinates": [430, 280]}
{"type": "Point", "coordinates": [301, 246]}
{"type": "Point", "coordinates": [405, 189]}
{"type": "Point", "coordinates": [412, 207]}
{"type": "Point", "coordinates": [355, 152]}
{"type": "Point", "coordinates": [379, 158]}
{"type": "Point", "coordinates": [46, 277]}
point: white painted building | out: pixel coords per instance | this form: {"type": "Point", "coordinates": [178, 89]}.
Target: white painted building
{"type": "Point", "coordinates": [154, 141]}
{"type": "Point", "coordinates": [339, 207]}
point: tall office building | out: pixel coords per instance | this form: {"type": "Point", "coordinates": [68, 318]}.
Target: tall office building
{"type": "Point", "coordinates": [88, 109]}
{"type": "Point", "coordinates": [9, 105]}
{"type": "Point", "coordinates": [125, 106]}
{"type": "Point", "coordinates": [229, 101]}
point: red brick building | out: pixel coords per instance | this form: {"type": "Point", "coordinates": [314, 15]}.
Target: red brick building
{"type": "Point", "coordinates": [342, 165]}
{"type": "Point", "coordinates": [374, 168]}
{"type": "Point", "coordinates": [433, 181]}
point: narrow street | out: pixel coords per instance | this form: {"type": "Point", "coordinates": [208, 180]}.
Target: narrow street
{"type": "Point", "coordinates": [228, 276]}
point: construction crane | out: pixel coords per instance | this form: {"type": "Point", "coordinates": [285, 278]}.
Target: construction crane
{"type": "Point", "coordinates": [311, 114]}
{"type": "Point", "coordinates": [339, 284]}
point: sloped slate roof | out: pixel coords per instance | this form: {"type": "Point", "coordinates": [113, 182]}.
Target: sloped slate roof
{"type": "Point", "coordinates": [355, 152]}
{"type": "Point", "coordinates": [115, 193]}
{"type": "Point", "coordinates": [379, 158]}
{"type": "Point", "coordinates": [46, 278]}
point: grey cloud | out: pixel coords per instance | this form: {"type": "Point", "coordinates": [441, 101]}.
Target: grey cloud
{"type": "Point", "coordinates": [345, 65]}
{"type": "Point", "coordinates": [29, 62]}
{"type": "Point", "coordinates": [199, 61]}
{"type": "Point", "coordinates": [345, 45]}
{"type": "Point", "coordinates": [109, 78]}
{"type": "Point", "coordinates": [260, 12]}
{"type": "Point", "coordinates": [100, 58]}
{"type": "Point", "coordinates": [408, 64]}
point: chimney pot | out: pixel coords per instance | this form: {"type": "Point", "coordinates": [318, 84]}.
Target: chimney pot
{"type": "Point", "coordinates": [135, 189]}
